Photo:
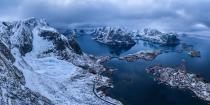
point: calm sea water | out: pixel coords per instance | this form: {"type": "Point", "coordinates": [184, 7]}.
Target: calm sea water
{"type": "Point", "coordinates": [133, 86]}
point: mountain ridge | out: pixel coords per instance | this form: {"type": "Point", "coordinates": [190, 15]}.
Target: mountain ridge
{"type": "Point", "coordinates": [51, 65]}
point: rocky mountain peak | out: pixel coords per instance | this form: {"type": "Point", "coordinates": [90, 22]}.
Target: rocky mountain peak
{"type": "Point", "coordinates": [33, 22]}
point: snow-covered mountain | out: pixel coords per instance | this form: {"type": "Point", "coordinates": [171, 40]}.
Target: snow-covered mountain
{"type": "Point", "coordinates": [121, 37]}
{"type": "Point", "coordinates": [155, 36]}
{"type": "Point", "coordinates": [40, 66]}
{"type": "Point", "coordinates": [114, 37]}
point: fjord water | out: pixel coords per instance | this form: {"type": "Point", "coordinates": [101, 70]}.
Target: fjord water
{"type": "Point", "coordinates": [133, 86]}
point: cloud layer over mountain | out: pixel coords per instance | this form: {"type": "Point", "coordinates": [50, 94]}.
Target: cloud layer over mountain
{"type": "Point", "coordinates": [174, 14]}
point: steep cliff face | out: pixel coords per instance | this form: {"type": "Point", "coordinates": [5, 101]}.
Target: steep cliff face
{"type": "Point", "coordinates": [75, 46]}
{"type": "Point", "coordinates": [12, 83]}
{"type": "Point", "coordinates": [52, 65]}
{"type": "Point", "coordinates": [22, 38]}
{"type": "Point", "coordinates": [19, 34]}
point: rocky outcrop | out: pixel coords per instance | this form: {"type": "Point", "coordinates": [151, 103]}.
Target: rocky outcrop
{"type": "Point", "coordinates": [67, 49]}
{"type": "Point", "coordinates": [6, 52]}
{"type": "Point", "coordinates": [75, 46]}
{"type": "Point", "coordinates": [22, 38]}
{"type": "Point", "coordinates": [59, 43]}
{"type": "Point", "coordinates": [71, 35]}
{"type": "Point", "coordinates": [113, 37]}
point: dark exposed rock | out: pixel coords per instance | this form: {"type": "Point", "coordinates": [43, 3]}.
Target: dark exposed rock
{"type": "Point", "coordinates": [19, 34]}
{"type": "Point", "coordinates": [33, 22]}
{"type": "Point", "coordinates": [60, 42]}
{"type": "Point", "coordinates": [49, 35]}
{"type": "Point", "coordinates": [71, 34]}
{"type": "Point", "coordinates": [75, 46]}
{"type": "Point", "coordinates": [6, 52]}
{"type": "Point", "coordinates": [25, 40]}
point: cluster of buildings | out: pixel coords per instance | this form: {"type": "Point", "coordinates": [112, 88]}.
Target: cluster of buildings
{"type": "Point", "coordinates": [179, 77]}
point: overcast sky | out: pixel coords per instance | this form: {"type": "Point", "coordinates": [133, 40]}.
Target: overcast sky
{"type": "Point", "coordinates": [175, 14]}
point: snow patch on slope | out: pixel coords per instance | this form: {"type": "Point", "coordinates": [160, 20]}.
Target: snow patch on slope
{"type": "Point", "coordinates": [39, 44]}
{"type": "Point", "coordinates": [60, 81]}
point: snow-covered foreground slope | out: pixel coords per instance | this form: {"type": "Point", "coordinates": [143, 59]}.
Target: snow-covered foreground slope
{"type": "Point", "coordinates": [50, 64]}
{"type": "Point", "coordinates": [60, 81]}
{"type": "Point", "coordinates": [13, 90]}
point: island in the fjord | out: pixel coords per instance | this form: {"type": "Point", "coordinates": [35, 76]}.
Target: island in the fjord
{"type": "Point", "coordinates": [181, 78]}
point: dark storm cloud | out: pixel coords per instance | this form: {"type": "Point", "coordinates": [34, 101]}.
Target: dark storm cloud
{"type": "Point", "coordinates": [8, 3]}
{"type": "Point", "coordinates": [73, 13]}
{"type": "Point", "coordinates": [179, 14]}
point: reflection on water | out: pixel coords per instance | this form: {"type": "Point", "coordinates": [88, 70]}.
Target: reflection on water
{"type": "Point", "coordinates": [115, 50]}
{"type": "Point", "coordinates": [90, 46]}
{"type": "Point", "coordinates": [133, 86]}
